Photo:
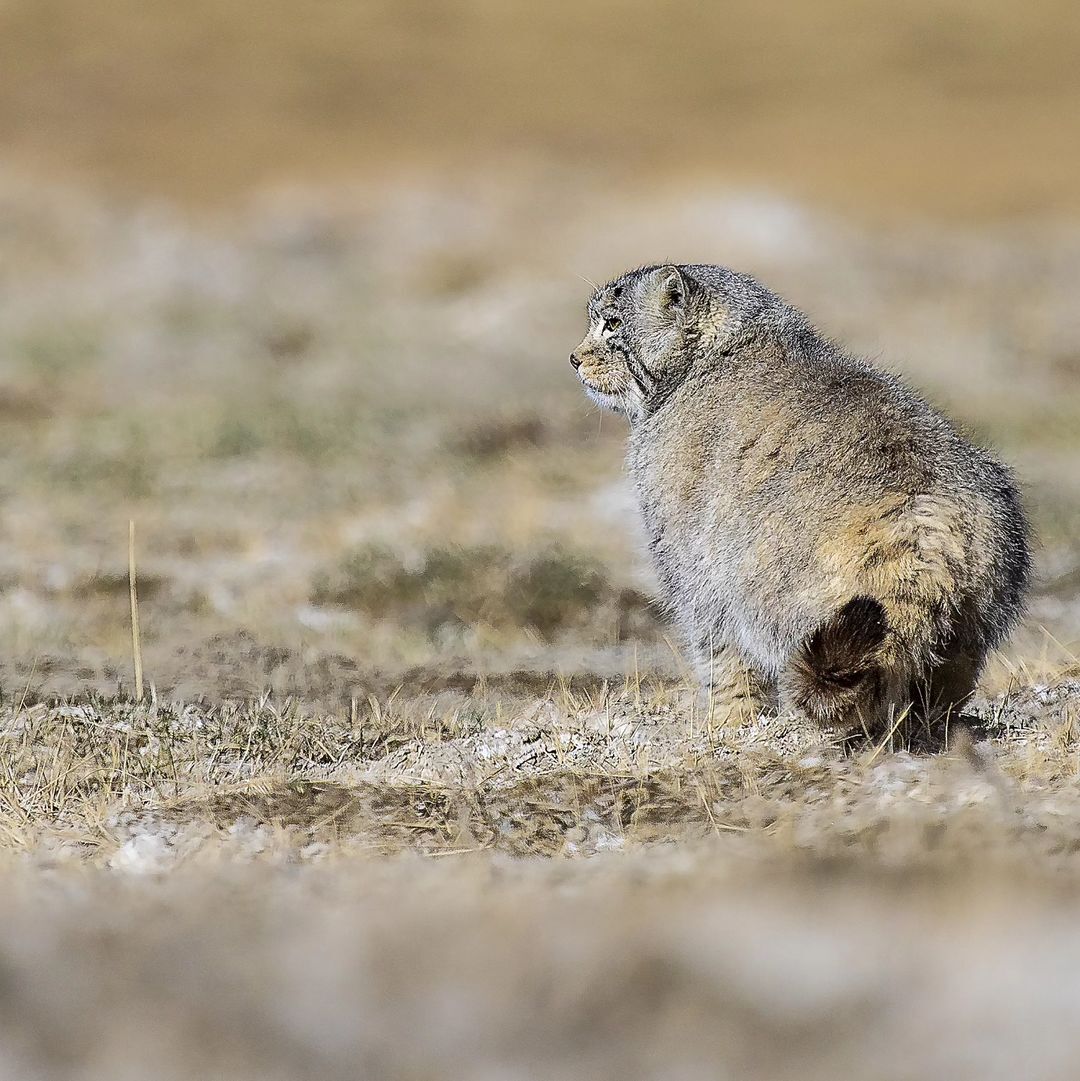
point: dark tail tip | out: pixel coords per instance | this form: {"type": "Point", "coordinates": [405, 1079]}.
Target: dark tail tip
{"type": "Point", "coordinates": [850, 636]}
{"type": "Point", "coordinates": [836, 662]}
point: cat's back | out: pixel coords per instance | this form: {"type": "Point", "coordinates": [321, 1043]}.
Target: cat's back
{"type": "Point", "coordinates": [763, 430]}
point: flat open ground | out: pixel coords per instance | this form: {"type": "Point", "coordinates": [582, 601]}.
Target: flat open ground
{"type": "Point", "coordinates": [957, 108]}
{"type": "Point", "coordinates": [418, 788]}
{"type": "Point", "coordinates": [419, 783]}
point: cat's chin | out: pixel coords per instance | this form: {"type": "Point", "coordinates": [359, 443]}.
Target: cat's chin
{"type": "Point", "coordinates": [613, 403]}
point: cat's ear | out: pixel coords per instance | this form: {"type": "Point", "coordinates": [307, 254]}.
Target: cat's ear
{"type": "Point", "coordinates": [670, 292]}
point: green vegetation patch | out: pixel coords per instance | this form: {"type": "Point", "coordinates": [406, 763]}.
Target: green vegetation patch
{"type": "Point", "coordinates": [546, 591]}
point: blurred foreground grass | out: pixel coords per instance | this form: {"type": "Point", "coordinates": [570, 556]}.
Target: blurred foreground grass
{"type": "Point", "coordinates": [260, 891]}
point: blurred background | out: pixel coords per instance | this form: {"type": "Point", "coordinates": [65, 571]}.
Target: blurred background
{"type": "Point", "coordinates": [949, 109]}
{"type": "Point", "coordinates": [296, 293]}
{"type": "Point", "coordinates": [293, 288]}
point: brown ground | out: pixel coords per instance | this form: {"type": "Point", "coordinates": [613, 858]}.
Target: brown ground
{"type": "Point", "coordinates": [959, 108]}
{"type": "Point", "coordinates": [419, 788]}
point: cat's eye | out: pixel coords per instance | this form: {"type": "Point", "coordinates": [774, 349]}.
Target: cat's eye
{"type": "Point", "coordinates": [612, 324]}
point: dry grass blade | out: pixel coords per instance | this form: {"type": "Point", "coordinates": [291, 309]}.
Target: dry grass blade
{"type": "Point", "coordinates": [136, 635]}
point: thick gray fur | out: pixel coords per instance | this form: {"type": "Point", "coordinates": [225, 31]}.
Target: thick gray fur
{"type": "Point", "coordinates": [791, 491]}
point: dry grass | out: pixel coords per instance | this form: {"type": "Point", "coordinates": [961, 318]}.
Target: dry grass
{"type": "Point", "coordinates": [579, 886]}
{"type": "Point", "coordinates": [568, 772]}
{"type": "Point", "coordinates": [418, 788]}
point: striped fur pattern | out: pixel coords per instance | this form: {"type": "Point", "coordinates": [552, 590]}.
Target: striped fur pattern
{"type": "Point", "coordinates": [823, 537]}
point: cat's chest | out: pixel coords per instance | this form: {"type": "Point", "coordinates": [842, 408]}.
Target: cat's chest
{"type": "Point", "coordinates": [682, 475]}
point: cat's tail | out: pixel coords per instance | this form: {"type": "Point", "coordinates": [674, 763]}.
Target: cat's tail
{"type": "Point", "coordinates": [837, 672]}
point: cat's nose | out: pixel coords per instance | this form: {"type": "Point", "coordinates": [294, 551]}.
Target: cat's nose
{"type": "Point", "coordinates": [574, 362]}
